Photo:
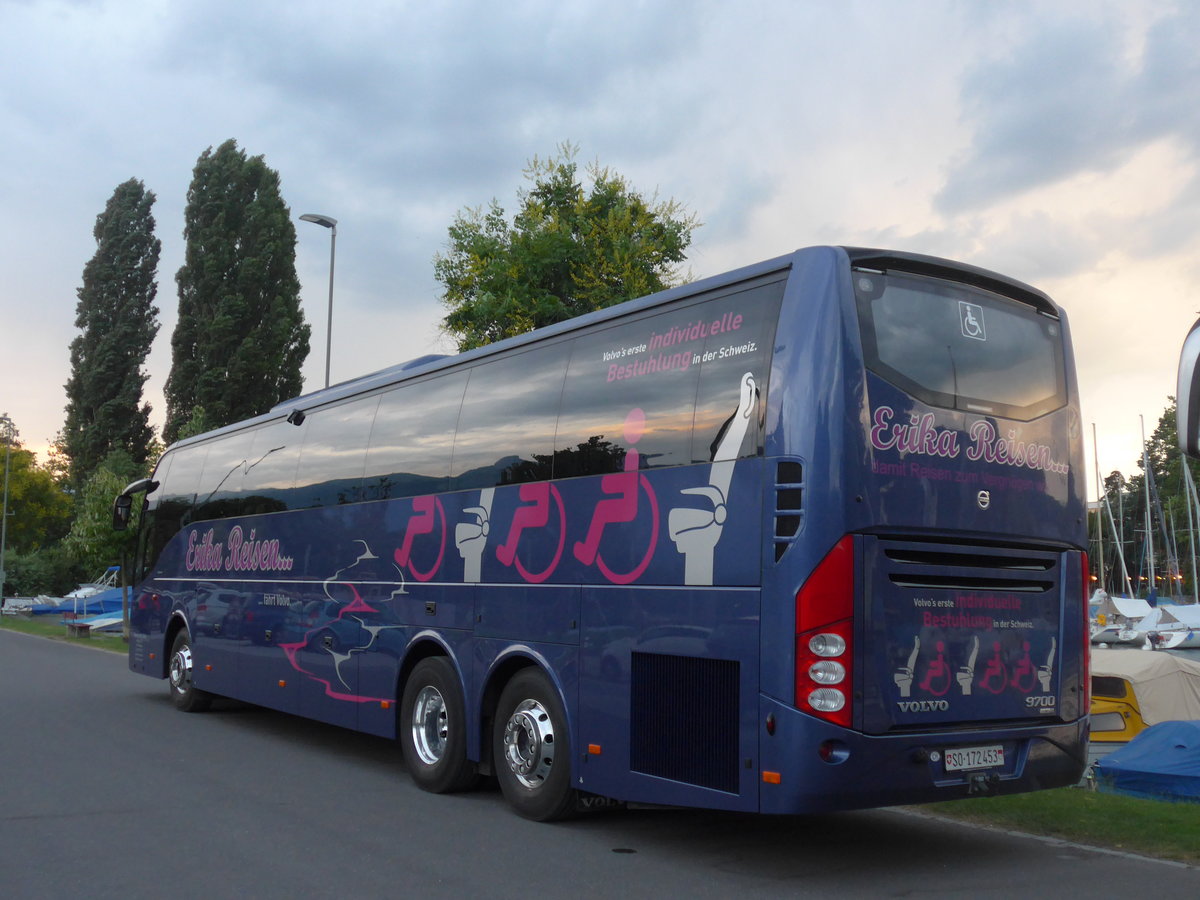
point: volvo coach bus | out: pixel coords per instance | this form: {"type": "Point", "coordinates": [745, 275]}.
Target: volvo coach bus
{"type": "Point", "coordinates": [805, 536]}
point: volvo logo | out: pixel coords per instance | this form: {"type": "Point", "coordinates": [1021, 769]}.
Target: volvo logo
{"type": "Point", "coordinates": [984, 499]}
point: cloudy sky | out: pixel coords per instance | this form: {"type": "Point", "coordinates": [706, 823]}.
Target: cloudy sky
{"type": "Point", "coordinates": [1057, 142]}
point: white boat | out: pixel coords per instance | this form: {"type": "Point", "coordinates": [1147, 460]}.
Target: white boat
{"type": "Point", "coordinates": [1173, 628]}
{"type": "Point", "coordinates": [1117, 618]}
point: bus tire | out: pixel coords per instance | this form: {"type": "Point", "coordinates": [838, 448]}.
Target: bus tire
{"type": "Point", "coordinates": [433, 728]}
{"type": "Point", "coordinates": [532, 749]}
{"type": "Point", "coordinates": [184, 693]}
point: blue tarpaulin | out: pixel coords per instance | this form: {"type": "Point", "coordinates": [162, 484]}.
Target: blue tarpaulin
{"type": "Point", "coordinates": [1161, 763]}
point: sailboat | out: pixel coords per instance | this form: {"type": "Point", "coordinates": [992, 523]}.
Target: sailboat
{"type": "Point", "coordinates": [1114, 619]}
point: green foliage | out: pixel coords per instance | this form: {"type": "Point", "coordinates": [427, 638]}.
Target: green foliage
{"type": "Point", "coordinates": [196, 424]}
{"type": "Point", "coordinates": [49, 570]}
{"type": "Point", "coordinates": [118, 320]}
{"type": "Point", "coordinates": [240, 340]}
{"type": "Point", "coordinates": [92, 541]}
{"type": "Point", "coordinates": [567, 252]}
{"type": "Point", "coordinates": [39, 509]}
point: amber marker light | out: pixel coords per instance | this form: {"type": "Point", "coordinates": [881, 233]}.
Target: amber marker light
{"type": "Point", "coordinates": [771, 777]}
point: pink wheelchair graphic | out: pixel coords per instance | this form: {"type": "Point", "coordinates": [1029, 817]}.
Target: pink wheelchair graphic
{"type": "Point", "coordinates": [621, 506]}
{"type": "Point", "coordinates": [538, 499]}
{"type": "Point", "coordinates": [937, 676]}
{"type": "Point", "coordinates": [1024, 673]}
{"type": "Point", "coordinates": [995, 674]}
{"type": "Point", "coordinates": [426, 511]}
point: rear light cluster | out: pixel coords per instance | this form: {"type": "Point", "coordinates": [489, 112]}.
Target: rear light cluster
{"type": "Point", "coordinates": [824, 637]}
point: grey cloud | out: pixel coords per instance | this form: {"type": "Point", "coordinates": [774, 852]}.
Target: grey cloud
{"type": "Point", "coordinates": [449, 94]}
{"type": "Point", "coordinates": [1057, 105]}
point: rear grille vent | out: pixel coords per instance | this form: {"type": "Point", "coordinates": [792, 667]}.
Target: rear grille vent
{"type": "Point", "coordinates": [965, 568]}
{"type": "Point", "coordinates": [789, 504]}
{"type": "Point", "coordinates": [684, 717]}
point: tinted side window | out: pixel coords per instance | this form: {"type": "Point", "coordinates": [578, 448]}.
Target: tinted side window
{"type": "Point", "coordinates": [413, 437]}
{"type": "Point", "coordinates": [271, 467]}
{"type": "Point", "coordinates": [221, 482]}
{"type": "Point", "coordinates": [733, 376]}
{"type": "Point", "coordinates": [334, 453]}
{"type": "Point", "coordinates": [150, 539]}
{"type": "Point", "coordinates": [506, 429]}
{"type": "Point", "coordinates": [176, 495]}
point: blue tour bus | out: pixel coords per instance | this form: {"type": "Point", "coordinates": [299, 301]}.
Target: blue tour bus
{"type": "Point", "coordinates": [805, 536]}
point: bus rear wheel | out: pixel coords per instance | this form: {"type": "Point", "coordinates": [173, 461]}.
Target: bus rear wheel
{"type": "Point", "coordinates": [184, 693]}
{"type": "Point", "coordinates": [532, 749]}
{"type": "Point", "coordinates": [433, 728]}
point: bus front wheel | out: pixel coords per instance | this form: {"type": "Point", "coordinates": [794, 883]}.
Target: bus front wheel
{"type": "Point", "coordinates": [532, 749]}
{"type": "Point", "coordinates": [433, 729]}
{"type": "Point", "coordinates": [184, 693]}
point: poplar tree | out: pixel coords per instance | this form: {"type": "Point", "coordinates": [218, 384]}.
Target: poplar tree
{"type": "Point", "coordinates": [241, 339]}
{"type": "Point", "coordinates": [118, 320]}
{"type": "Point", "coordinates": [570, 249]}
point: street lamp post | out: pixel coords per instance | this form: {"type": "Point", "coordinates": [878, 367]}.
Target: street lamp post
{"type": "Point", "coordinates": [331, 224]}
{"type": "Point", "coordinates": [6, 422]}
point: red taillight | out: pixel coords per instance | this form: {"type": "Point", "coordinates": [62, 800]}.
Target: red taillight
{"type": "Point", "coordinates": [1085, 659]}
{"type": "Point", "coordinates": [824, 637]}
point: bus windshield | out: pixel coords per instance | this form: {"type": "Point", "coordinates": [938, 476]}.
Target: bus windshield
{"type": "Point", "coordinates": [960, 347]}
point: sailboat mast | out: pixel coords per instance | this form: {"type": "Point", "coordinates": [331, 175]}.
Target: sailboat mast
{"type": "Point", "coordinates": [1149, 532]}
{"type": "Point", "coordinates": [1099, 510]}
{"type": "Point", "coordinates": [1120, 550]}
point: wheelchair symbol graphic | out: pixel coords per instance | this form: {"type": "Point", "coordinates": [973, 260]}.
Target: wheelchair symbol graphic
{"type": "Point", "coordinates": [621, 505]}
{"type": "Point", "coordinates": [426, 511]}
{"type": "Point", "coordinates": [538, 499]}
{"type": "Point", "coordinates": [970, 316]}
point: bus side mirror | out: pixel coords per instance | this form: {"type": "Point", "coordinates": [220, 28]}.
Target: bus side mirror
{"type": "Point", "coordinates": [1187, 395]}
{"type": "Point", "coordinates": [123, 505]}
{"type": "Point", "coordinates": [122, 509]}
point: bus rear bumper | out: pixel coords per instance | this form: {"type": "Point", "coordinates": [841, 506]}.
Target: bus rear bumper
{"type": "Point", "coordinates": [808, 765]}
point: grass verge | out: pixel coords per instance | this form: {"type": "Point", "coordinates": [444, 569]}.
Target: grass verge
{"type": "Point", "coordinates": [52, 627]}
{"type": "Point", "coordinates": [1147, 827]}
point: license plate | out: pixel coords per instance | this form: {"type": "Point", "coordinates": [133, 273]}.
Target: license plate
{"type": "Point", "coordinates": [961, 759]}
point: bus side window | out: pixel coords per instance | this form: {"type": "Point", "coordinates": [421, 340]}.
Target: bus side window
{"type": "Point", "coordinates": [506, 428]}
{"type": "Point", "coordinates": [176, 496]}
{"type": "Point", "coordinates": [217, 496]}
{"type": "Point", "coordinates": [648, 364]}
{"type": "Point", "coordinates": [412, 439]}
{"type": "Point", "coordinates": [271, 467]}
{"type": "Point", "coordinates": [334, 453]}
{"type": "Point", "coordinates": [741, 348]}
{"type": "Point", "coordinates": [149, 543]}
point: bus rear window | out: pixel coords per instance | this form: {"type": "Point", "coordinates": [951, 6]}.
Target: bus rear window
{"type": "Point", "coordinates": [961, 347]}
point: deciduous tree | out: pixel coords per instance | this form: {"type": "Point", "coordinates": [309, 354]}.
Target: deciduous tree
{"type": "Point", "coordinates": [570, 249]}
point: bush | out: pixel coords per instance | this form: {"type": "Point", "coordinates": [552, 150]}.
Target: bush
{"type": "Point", "coordinates": [51, 571]}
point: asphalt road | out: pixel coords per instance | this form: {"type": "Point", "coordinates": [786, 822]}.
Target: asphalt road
{"type": "Point", "coordinates": [107, 791]}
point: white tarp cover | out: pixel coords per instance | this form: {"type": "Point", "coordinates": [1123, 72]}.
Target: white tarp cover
{"type": "Point", "coordinates": [1184, 615]}
{"type": "Point", "coordinates": [1167, 687]}
{"type": "Point", "coordinates": [1131, 607]}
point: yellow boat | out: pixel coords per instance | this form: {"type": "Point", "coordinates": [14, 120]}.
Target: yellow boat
{"type": "Point", "coordinates": [1134, 689]}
